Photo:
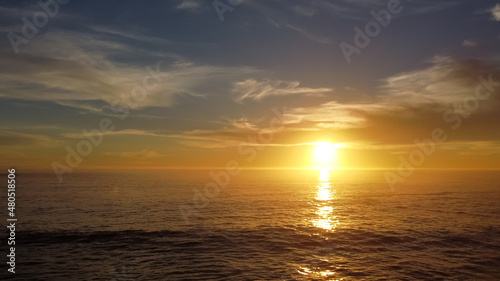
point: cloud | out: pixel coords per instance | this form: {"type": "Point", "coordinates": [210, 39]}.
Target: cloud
{"type": "Point", "coordinates": [423, 7]}
{"type": "Point", "coordinates": [310, 35]}
{"type": "Point", "coordinates": [133, 132]}
{"type": "Point", "coordinates": [258, 90]}
{"type": "Point", "coordinates": [188, 5]}
{"type": "Point", "coordinates": [142, 38]}
{"type": "Point", "coordinates": [78, 69]}
{"type": "Point", "coordinates": [330, 115]}
{"type": "Point", "coordinates": [409, 106]}
{"type": "Point", "coordinates": [243, 123]}
{"type": "Point", "coordinates": [80, 105]}
{"type": "Point", "coordinates": [234, 133]}
{"type": "Point", "coordinates": [464, 147]}
{"type": "Point", "coordinates": [445, 82]}
{"type": "Point", "coordinates": [26, 140]}
{"type": "Point", "coordinates": [136, 155]}
{"type": "Point", "coordinates": [469, 43]}
{"type": "Point", "coordinates": [306, 11]}
{"type": "Point", "coordinates": [72, 68]}
{"type": "Point", "coordinates": [495, 12]}
{"type": "Point", "coordinates": [306, 16]}
{"type": "Point", "coordinates": [358, 9]}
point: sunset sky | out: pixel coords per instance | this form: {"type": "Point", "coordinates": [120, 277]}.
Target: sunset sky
{"type": "Point", "coordinates": [220, 81]}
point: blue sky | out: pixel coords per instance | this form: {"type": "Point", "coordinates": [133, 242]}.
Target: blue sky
{"type": "Point", "coordinates": [223, 78]}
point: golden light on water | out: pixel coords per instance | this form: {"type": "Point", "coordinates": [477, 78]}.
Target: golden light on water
{"type": "Point", "coordinates": [324, 175]}
{"type": "Point", "coordinates": [324, 220]}
{"type": "Point", "coordinates": [325, 196]}
{"type": "Point", "coordinates": [311, 273]}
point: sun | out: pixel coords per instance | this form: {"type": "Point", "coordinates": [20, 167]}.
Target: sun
{"type": "Point", "coordinates": [325, 154]}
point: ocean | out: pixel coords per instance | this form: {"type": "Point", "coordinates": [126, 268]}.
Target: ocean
{"type": "Point", "coordinates": [262, 225]}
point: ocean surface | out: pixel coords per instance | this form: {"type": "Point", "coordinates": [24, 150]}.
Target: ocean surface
{"type": "Point", "coordinates": [262, 225]}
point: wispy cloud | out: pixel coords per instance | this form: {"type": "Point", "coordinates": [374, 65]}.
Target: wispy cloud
{"type": "Point", "coordinates": [136, 155]}
{"type": "Point", "coordinates": [188, 5]}
{"type": "Point", "coordinates": [300, 15]}
{"type": "Point", "coordinates": [310, 35]}
{"type": "Point", "coordinates": [408, 105]}
{"type": "Point", "coordinates": [16, 139]}
{"type": "Point", "coordinates": [258, 90]}
{"type": "Point", "coordinates": [86, 70]}
{"type": "Point", "coordinates": [495, 12]}
{"type": "Point", "coordinates": [331, 115]}
{"type": "Point", "coordinates": [80, 105]}
{"type": "Point", "coordinates": [447, 81]}
{"type": "Point", "coordinates": [306, 11]}
{"type": "Point", "coordinates": [132, 132]}
{"type": "Point", "coordinates": [469, 43]}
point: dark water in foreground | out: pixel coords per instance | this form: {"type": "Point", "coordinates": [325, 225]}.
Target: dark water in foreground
{"type": "Point", "coordinates": [265, 225]}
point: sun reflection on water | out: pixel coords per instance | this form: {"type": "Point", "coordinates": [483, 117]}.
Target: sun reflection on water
{"type": "Point", "coordinates": [310, 273]}
{"type": "Point", "coordinates": [324, 199]}
{"type": "Point", "coordinates": [323, 223]}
